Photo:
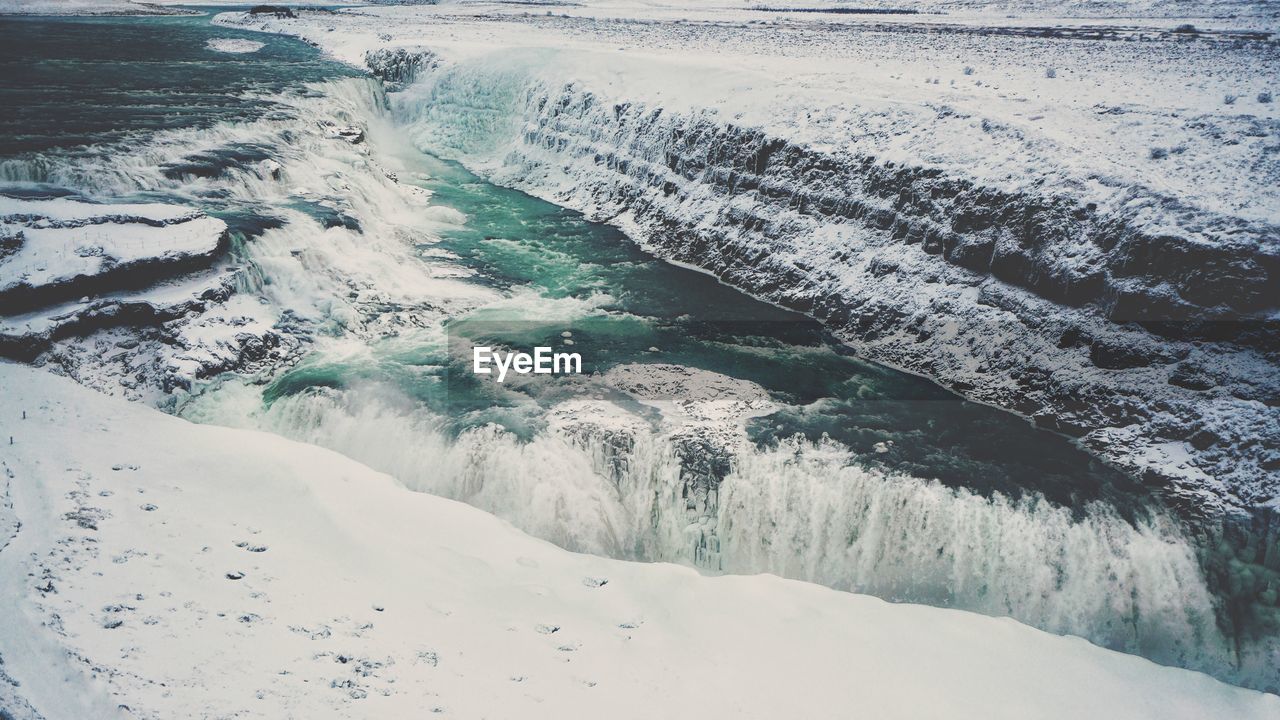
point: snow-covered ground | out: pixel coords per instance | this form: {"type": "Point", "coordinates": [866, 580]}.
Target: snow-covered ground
{"type": "Point", "coordinates": [1054, 216]}
{"type": "Point", "coordinates": [234, 46]}
{"type": "Point", "coordinates": [145, 571]}
{"type": "Point", "coordinates": [82, 7]}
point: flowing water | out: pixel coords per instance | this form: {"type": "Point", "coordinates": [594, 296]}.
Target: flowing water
{"type": "Point", "coordinates": [707, 428]}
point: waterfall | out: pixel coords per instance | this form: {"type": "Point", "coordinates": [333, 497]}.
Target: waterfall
{"type": "Point", "coordinates": [804, 510]}
{"type": "Point", "coordinates": [797, 509]}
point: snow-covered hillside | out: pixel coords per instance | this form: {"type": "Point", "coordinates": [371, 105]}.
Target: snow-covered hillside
{"type": "Point", "coordinates": [146, 571]}
{"type": "Point", "coordinates": [1075, 222]}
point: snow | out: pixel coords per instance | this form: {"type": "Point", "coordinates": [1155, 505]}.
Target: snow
{"type": "Point", "coordinates": [172, 583]}
{"type": "Point", "coordinates": [61, 241]}
{"type": "Point", "coordinates": [795, 77]}
{"type": "Point", "coordinates": [690, 394]}
{"type": "Point", "coordinates": [233, 45]}
{"type": "Point", "coordinates": [70, 211]}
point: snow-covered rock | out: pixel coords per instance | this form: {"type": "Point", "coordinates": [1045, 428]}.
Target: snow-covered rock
{"type": "Point", "coordinates": [128, 298]}
{"type": "Point", "coordinates": [61, 248]}
{"type": "Point", "coordinates": [126, 592]}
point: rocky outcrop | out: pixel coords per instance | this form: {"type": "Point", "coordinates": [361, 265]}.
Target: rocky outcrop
{"type": "Point", "coordinates": [59, 249]}
{"type": "Point", "coordinates": [398, 67]}
{"type": "Point", "coordinates": [122, 297]}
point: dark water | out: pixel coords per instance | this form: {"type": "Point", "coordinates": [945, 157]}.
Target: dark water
{"type": "Point", "coordinates": [69, 81]}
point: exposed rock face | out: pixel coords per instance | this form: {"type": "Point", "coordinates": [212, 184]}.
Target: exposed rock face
{"type": "Point", "coordinates": [1144, 327]}
{"type": "Point", "coordinates": [124, 297]}
{"type": "Point", "coordinates": [398, 67]}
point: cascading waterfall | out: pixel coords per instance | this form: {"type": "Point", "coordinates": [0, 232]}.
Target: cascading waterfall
{"type": "Point", "coordinates": [154, 161]}
{"type": "Point", "coordinates": [805, 511]}
{"type": "Point", "coordinates": [798, 509]}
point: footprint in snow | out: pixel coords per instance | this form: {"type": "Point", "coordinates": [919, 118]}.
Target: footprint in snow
{"type": "Point", "coordinates": [547, 629]}
{"type": "Point", "coordinates": [595, 582]}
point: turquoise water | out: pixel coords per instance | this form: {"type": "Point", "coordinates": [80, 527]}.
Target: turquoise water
{"type": "Point", "coordinates": [514, 241]}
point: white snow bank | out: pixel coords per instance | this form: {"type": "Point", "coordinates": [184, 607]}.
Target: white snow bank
{"type": "Point", "coordinates": [852, 83]}
{"type": "Point", "coordinates": [82, 7]}
{"type": "Point", "coordinates": [154, 569]}
{"type": "Point", "coordinates": [65, 210]}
